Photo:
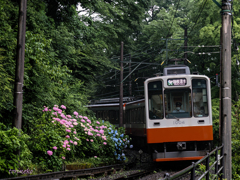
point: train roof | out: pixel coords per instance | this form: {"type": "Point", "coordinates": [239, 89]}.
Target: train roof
{"type": "Point", "coordinates": [176, 70]}
{"type": "Point", "coordinates": [115, 100]}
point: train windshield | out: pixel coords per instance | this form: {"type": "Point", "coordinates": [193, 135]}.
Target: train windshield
{"type": "Point", "coordinates": [178, 103]}
{"type": "Point", "coordinates": [200, 102]}
{"type": "Point", "coordinates": [155, 100]}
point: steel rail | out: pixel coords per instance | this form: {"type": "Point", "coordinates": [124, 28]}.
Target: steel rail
{"type": "Point", "coordinates": [134, 175]}
{"type": "Point", "coordinates": [72, 173]}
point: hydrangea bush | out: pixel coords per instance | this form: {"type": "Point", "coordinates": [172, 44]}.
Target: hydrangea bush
{"type": "Point", "coordinates": [59, 137]}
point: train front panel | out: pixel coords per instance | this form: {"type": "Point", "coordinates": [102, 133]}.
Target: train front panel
{"type": "Point", "coordinates": [178, 117]}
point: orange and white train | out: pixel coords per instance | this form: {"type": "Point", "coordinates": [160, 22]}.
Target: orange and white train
{"type": "Point", "coordinates": [173, 119]}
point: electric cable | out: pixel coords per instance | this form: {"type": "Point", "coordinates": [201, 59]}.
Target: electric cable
{"type": "Point", "coordinates": [173, 19]}
{"type": "Point", "coordinates": [197, 17]}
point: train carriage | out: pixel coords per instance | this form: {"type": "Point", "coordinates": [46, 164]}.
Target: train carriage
{"type": "Point", "coordinates": [173, 119]}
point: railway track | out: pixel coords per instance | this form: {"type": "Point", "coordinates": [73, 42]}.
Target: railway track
{"type": "Point", "coordinates": [135, 169]}
{"type": "Point", "coordinates": [74, 174]}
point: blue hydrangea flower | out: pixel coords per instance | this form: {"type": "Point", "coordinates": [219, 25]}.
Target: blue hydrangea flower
{"type": "Point", "coordinates": [121, 135]}
{"type": "Point", "coordinates": [123, 154]}
{"type": "Point", "coordinates": [131, 146]}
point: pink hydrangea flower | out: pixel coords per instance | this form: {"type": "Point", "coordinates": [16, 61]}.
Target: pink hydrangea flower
{"type": "Point", "coordinates": [75, 143]}
{"type": "Point", "coordinates": [49, 110]}
{"type": "Point", "coordinates": [55, 108]}
{"type": "Point", "coordinates": [63, 157]}
{"type": "Point", "coordinates": [68, 149]}
{"type": "Point", "coordinates": [101, 131]}
{"type": "Point", "coordinates": [67, 136]}
{"type": "Point", "coordinates": [104, 143]}
{"type": "Point", "coordinates": [46, 109]}
{"type": "Point", "coordinates": [57, 119]}
{"type": "Point", "coordinates": [63, 107]}
{"type": "Point", "coordinates": [64, 145]}
{"type": "Point", "coordinates": [49, 153]}
{"type": "Point", "coordinates": [68, 130]}
{"type": "Point", "coordinates": [68, 145]}
{"type": "Point", "coordinates": [89, 133]}
{"type": "Point", "coordinates": [98, 122]}
{"type": "Point", "coordinates": [95, 156]}
{"type": "Point", "coordinates": [75, 123]}
{"type": "Point", "coordinates": [87, 139]}
{"type": "Point", "coordinates": [71, 141]}
{"type": "Point", "coordinates": [74, 132]}
{"type": "Point", "coordinates": [89, 121]}
{"type": "Point", "coordinates": [55, 148]}
{"type": "Point", "coordinates": [83, 121]}
{"type": "Point", "coordinates": [91, 140]}
{"type": "Point", "coordinates": [68, 116]}
{"type": "Point", "coordinates": [63, 116]}
{"type": "Point", "coordinates": [75, 113]}
{"type": "Point", "coordinates": [123, 139]}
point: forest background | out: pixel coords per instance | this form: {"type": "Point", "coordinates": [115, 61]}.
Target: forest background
{"type": "Point", "coordinates": [72, 54]}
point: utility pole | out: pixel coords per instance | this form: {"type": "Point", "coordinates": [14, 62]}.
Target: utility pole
{"type": "Point", "coordinates": [220, 91]}
{"type": "Point", "coordinates": [121, 89]}
{"type": "Point", "coordinates": [19, 73]}
{"type": "Point", "coordinates": [130, 78]}
{"type": "Point", "coordinates": [226, 88]}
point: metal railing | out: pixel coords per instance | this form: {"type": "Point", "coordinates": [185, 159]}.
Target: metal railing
{"type": "Point", "coordinates": [192, 168]}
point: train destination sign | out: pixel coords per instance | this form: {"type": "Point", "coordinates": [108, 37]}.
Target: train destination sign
{"type": "Point", "coordinates": [177, 82]}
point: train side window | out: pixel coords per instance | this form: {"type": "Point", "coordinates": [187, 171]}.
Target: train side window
{"type": "Point", "coordinates": [117, 117]}
{"type": "Point", "coordinates": [199, 96]}
{"type": "Point", "coordinates": [112, 116]}
{"type": "Point", "coordinates": [155, 100]}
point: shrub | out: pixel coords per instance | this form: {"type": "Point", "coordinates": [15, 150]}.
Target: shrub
{"type": "Point", "coordinates": [57, 137]}
{"type": "Point", "coordinates": [14, 153]}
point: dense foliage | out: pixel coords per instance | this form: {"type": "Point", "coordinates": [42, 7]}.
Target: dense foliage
{"type": "Point", "coordinates": [72, 55]}
{"type": "Point", "coordinates": [12, 142]}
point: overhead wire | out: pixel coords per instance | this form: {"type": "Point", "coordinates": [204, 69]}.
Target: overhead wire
{"type": "Point", "coordinates": [134, 64]}
{"type": "Point", "coordinates": [173, 19]}
{"type": "Point", "coordinates": [198, 17]}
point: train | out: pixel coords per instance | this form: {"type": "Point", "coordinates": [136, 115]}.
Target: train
{"type": "Point", "coordinates": [172, 121]}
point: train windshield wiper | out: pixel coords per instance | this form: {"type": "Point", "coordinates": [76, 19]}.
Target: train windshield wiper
{"type": "Point", "coordinates": [174, 117]}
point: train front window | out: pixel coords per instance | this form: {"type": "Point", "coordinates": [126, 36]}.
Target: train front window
{"type": "Point", "coordinates": [155, 102]}
{"type": "Point", "coordinates": [178, 103]}
{"type": "Point", "coordinates": [200, 101]}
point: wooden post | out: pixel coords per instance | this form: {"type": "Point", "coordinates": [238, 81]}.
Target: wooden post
{"type": "Point", "coordinates": [19, 73]}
